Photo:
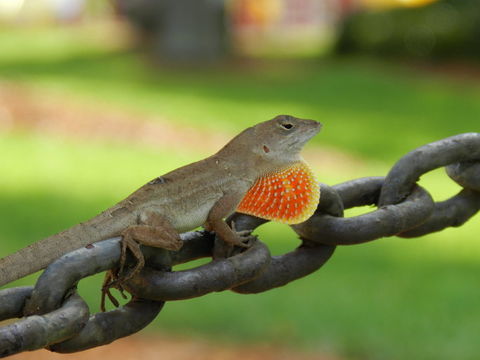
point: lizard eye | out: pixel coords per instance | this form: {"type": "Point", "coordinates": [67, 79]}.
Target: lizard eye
{"type": "Point", "coordinates": [287, 126]}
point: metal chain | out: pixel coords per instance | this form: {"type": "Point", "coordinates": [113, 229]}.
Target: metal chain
{"type": "Point", "coordinates": [55, 316]}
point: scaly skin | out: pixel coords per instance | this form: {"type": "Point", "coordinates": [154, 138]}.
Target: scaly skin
{"type": "Point", "coordinates": [202, 193]}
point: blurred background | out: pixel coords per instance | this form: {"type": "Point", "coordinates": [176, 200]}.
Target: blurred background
{"type": "Point", "coordinates": [99, 97]}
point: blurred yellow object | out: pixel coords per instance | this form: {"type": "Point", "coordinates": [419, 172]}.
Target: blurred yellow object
{"type": "Point", "coordinates": [283, 28]}
{"type": "Point", "coordinates": [413, 3]}
{"type": "Point", "coordinates": [264, 11]}
{"type": "Point", "coordinates": [395, 3]}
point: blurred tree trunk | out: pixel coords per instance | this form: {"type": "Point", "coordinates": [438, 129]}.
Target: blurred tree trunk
{"type": "Point", "coordinates": [180, 30]}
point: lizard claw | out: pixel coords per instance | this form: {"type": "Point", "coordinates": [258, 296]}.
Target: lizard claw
{"type": "Point", "coordinates": [111, 281]}
{"type": "Point", "coordinates": [244, 233]}
{"type": "Point", "coordinates": [241, 244]}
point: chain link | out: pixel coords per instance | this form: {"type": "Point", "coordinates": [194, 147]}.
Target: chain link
{"type": "Point", "coordinates": [55, 316]}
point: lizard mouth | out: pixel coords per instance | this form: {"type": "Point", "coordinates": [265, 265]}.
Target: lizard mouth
{"type": "Point", "coordinates": [299, 143]}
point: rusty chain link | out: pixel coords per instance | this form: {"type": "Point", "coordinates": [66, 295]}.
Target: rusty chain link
{"type": "Point", "coordinates": [55, 316]}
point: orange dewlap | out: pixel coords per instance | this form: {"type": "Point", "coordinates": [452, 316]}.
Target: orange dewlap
{"type": "Point", "coordinates": [290, 196]}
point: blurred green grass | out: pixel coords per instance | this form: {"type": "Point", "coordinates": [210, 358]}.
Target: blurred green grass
{"type": "Point", "coordinates": [395, 109]}
{"type": "Point", "coordinates": [390, 299]}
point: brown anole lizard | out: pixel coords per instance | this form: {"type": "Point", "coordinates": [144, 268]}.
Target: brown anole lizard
{"type": "Point", "coordinates": [259, 172]}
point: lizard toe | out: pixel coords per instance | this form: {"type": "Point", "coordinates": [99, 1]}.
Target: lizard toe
{"type": "Point", "coordinates": [244, 233]}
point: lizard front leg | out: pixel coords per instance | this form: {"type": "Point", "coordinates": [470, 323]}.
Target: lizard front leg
{"type": "Point", "coordinates": [221, 209]}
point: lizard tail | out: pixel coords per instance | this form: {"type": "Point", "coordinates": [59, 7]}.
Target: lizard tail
{"type": "Point", "coordinates": [34, 257]}
{"type": "Point", "coordinates": [40, 254]}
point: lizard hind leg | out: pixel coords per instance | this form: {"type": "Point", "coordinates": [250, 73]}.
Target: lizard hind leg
{"type": "Point", "coordinates": [154, 230]}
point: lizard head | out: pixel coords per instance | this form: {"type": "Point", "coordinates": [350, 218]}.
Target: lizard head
{"type": "Point", "coordinates": [270, 145]}
{"type": "Point", "coordinates": [280, 140]}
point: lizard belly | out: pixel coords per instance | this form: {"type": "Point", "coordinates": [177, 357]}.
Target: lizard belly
{"type": "Point", "coordinates": [192, 217]}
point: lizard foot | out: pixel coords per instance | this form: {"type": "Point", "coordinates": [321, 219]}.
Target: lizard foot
{"type": "Point", "coordinates": [115, 277]}
{"type": "Point", "coordinates": [243, 237]}
{"type": "Point", "coordinates": [111, 281]}
{"type": "Point", "coordinates": [225, 249]}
